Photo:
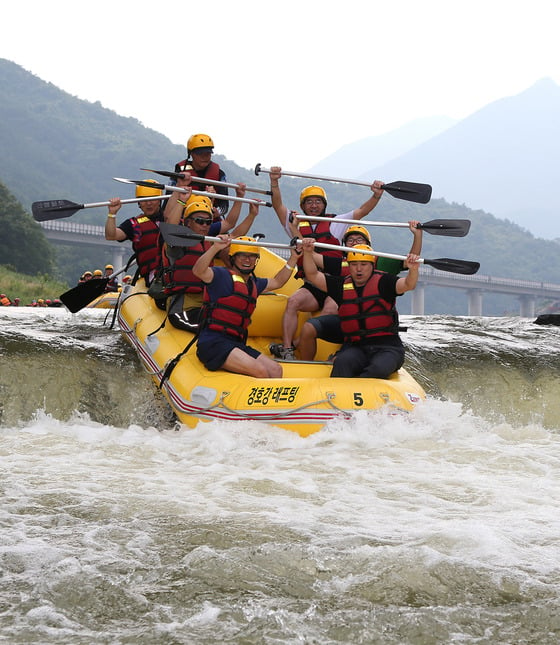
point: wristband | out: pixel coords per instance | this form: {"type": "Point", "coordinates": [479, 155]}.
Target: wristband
{"type": "Point", "coordinates": [111, 216]}
{"type": "Point", "coordinates": [180, 201]}
{"type": "Point", "coordinates": [289, 267]}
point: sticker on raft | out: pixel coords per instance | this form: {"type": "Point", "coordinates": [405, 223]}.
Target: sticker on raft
{"type": "Point", "coordinates": [262, 395]}
{"type": "Point", "coordinates": [413, 398]}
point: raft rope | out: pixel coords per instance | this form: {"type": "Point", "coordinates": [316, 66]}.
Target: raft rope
{"type": "Point", "coordinates": [279, 415]}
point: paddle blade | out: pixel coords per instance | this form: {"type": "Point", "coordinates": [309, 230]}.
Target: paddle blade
{"type": "Point", "coordinates": [454, 266]}
{"type": "Point", "coordinates": [80, 296]}
{"type": "Point", "coordinates": [54, 209]}
{"type": "Point", "coordinates": [410, 191]}
{"type": "Point", "coordinates": [177, 235]}
{"type": "Point", "coordinates": [447, 227]}
{"type": "Point", "coordinates": [165, 173]}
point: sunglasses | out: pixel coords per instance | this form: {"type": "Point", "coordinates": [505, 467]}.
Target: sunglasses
{"type": "Point", "coordinates": [203, 221]}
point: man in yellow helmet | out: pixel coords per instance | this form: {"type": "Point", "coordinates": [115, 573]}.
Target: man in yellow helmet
{"type": "Point", "coordinates": [142, 230]}
{"type": "Point", "coordinates": [327, 326]}
{"type": "Point", "coordinates": [313, 202]}
{"type": "Point", "coordinates": [113, 283]}
{"type": "Point", "coordinates": [231, 296]}
{"type": "Point", "coordinates": [369, 320]}
{"type": "Point", "coordinates": [181, 287]}
{"type": "Point", "coordinates": [199, 164]}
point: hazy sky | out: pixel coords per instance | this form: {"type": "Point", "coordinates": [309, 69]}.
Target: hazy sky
{"type": "Point", "coordinates": [284, 82]}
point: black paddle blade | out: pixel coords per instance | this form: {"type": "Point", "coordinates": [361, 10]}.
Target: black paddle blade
{"type": "Point", "coordinates": [454, 266]}
{"type": "Point", "coordinates": [447, 227]}
{"type": "Point", "coordinates": [80, 296]}
{"type": "Point", "coordinates": [409, 190]}
{"type": "Point", "coordinates": [177, 235]}
{"type": "Point", "coordinates": [165, 173]}
{"type": "Point", "coordinates": [54, 209]}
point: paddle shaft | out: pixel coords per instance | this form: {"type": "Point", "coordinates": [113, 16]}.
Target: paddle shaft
{"type": "Point", "coordinates": [447, 227]}
{"type": "Point", "coordinates": [204, 180]}
{"type": "Point", "coordinates": [201, 193]}
{"type": "Point", "coordinates": [289, 173]}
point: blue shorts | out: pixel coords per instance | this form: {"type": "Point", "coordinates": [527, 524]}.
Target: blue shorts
{"type": "Point", "coordinates": [328, 328]}
{"type": "Point", "coordinates": [213, 348]}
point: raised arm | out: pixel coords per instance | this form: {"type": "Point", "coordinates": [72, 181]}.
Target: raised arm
{"type": "Point", "coordinates": [408, 283]}
{"type": "Point", "coordinates": [284, 274]}
{"type": "Point", "coordinates": [277, 203]}
{"type": "Point", "coordinates": [231, 220]}
{"type": "Point", "coordinates": [312, 273]}
{"type": "Point", "coordinates": [202, 268]}
{"type": "Point", "coordinates": [371, 203]}
{"type": "Point", "coordinates": [112, 232]}
{"type": "Point", "coordinates": [173, 212]}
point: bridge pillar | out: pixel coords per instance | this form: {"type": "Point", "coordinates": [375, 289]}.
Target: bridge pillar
{"type": "Point", "coordinates": [527, 306]}
{"type": "Point", "coordinates": [417, 302]}
{"type": "Point", "coordinates": [475, 302]}
{"type": "Point", "coordinates": [118, 256]}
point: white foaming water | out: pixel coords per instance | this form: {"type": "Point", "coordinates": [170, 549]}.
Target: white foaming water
{"type": "Point", "coordinates": [426, 528]}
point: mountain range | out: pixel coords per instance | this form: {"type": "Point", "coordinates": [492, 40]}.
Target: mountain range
{"type": "Point", "coordinates": [57, 146]}
{"type": "Point", "coordinates": [504, 158]}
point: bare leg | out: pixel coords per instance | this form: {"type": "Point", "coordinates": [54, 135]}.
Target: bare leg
{"type": "Point", "coordinates": [307, 345]}
{"type": "Point", "coordinates": [241, 363]}
{"type": "Point", "coordinates": [301, 300]}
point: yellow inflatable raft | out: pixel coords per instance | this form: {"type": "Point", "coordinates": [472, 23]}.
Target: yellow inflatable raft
{"type": "Point", "coordinates": [303, 400]}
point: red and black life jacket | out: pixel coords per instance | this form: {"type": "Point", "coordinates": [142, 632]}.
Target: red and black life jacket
{"type": "Point", "coordinates": [232, 314]}
{"type": "Point", "coordinates": [367, 315]}
{"type": "Point", "coordinates": [145, 242]}
{"type": "Point", "coordinates": [177, 268]}
{"type": "Point", "coordinates": [321, 232]}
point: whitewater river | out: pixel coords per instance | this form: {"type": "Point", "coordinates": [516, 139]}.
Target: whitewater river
{"type": "Point", "coordinates": [117, 526]}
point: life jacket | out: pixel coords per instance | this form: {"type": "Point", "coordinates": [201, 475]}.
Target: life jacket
{"type": "Point", "coordinates": [177, 269]}
{"type": "Point", "coordinates": [321, 233]}
{"type": "Point", "coordinates": [368, 315]}
{"type": "Point", "coordinates": [5, 301]}
{"type": "Point", "coordinates": [232, 314]}
{"type": "Point", "coordinates": [145, 242]}
{"type": "Point", "coordinates": [212, 171]}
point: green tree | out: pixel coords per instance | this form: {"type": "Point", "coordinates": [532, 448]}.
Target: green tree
{"type": "Point", "coordinates": [23, 245]}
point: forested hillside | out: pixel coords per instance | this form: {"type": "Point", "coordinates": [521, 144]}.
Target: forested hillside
{"type": "Point", "coordinates": [65, 148]}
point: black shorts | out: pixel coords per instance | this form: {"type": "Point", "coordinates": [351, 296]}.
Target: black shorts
{"type": "Point", "coordinates": [320, 296]}
{"type": "Point", "coordinates": [213, 348]}
{"type": "Point", "coordinates": [328, 328]}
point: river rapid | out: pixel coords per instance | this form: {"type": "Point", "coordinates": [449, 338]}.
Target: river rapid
{"type": "Point", "coordinates": [120, 526]}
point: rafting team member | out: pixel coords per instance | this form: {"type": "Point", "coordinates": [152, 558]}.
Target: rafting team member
{"type": "Point", "coordinates": [369, 320]}
{"type": "Point", "coordinates": [113, 284]}
{"type": "Point", "coordinates": [5, 301]}
{"type": "Point", "coordinates": [313, 202]}
{"type": "Point", "coordinates": [142, 230]}
{"type": "Point", "coordinates": [230, 299]}
{"type": "Point", "coordinates": [327, 326]}
{"type": "Point", "coordinates": [199, 164]}
{"type": "Point", "coordinates": [181, 286]}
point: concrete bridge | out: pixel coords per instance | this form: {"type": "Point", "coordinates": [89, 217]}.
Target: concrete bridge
{"type": "Point", "coordinates": [475, 285]}
{"type": "Point", "coordinates": [72, 233]}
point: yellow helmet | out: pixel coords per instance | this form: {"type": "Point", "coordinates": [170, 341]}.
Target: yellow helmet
{"type": "Point", "coordinates": [144, 191]}
{"type": "Point", "coordinates": [312, 191]}
{"type": "Point", "coordinates": [198, 204]}
{"type": "Point", "coordinates": [244, 248]}
{"type": "Point", "coordinates": [354, 256]}
{"type": "Point", "coordinates": [108, 266]}
{"type": "Point", "coordinates": [97, 272]}
{"type": "Point", "coordinates": [356, 230]}
{"type": "Point", "coordinates": [86, 273]}
{"type": "Point", "coordinates": [199, 141]}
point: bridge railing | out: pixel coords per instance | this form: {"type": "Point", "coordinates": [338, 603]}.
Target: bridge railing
{"type": "Point", "coordinates": [73, 227]}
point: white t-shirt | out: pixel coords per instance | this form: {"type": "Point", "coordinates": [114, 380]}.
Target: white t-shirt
{"type": "Point", "coordinates": [337, 230]}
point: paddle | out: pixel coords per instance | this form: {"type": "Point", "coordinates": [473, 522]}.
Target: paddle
{"type": "Point", "coordinates": [80, 296]}
{"type": "Point", "coordinates": [59, 208]}
{"type": "Point", "coordinates": [408, 190]}
{"type": "Point", "coordinates": [204, 180]}
{"type": "Point", "coordinates": [177, 189]}
{"type": "Point", "coordinates": [447, 227]}
{"type": "Point", "coordinates": [177, 235]}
